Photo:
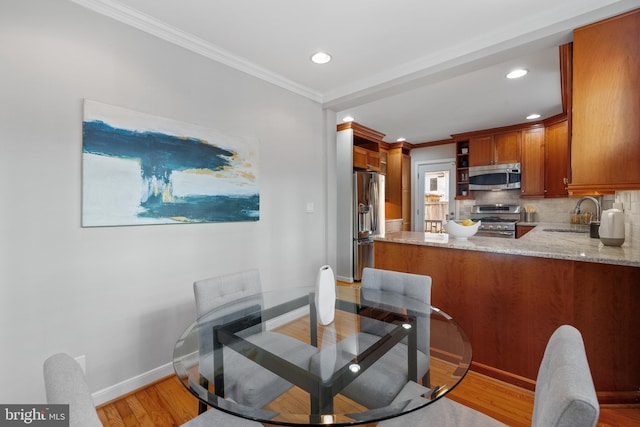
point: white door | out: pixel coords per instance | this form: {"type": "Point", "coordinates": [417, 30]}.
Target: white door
{"type": "Point", "coordinates": [435, 195]}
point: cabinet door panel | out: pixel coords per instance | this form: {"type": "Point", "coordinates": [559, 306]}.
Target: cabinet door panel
{"type": "Point", "coordinates": [481, 151]}
{"type": "Point", "coordinates": [507, 148]}
{"type": "Point", "coordinates": [533, 164]}
{"type": "Point", "coordinates": [359, 158]}
{"type": "Point", "coordinates": [373, 161]}
{"type": "Point", "coordinates": [557, 159]}
{"type": "Point", "coordinates": [605, 145]}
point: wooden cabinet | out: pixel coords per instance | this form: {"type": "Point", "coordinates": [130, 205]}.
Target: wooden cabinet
{"type": "Point", "coordinates": [556, 172]}
{"type": "Point", "coordinates": [462, 170]}
{"type": "Point", "coordinates": [383, 161]}
{"type": "Point", "coordinates": [545, 159]}
{"type": "Point", "coordinates": [500, 148]}
{"type": "Point", "coordinates": [366, 159]}
{"type": "Point", "coordinates": [482, 151]}
{"type": "Point", "coordinates": [398, 184]}
{"type": "Point", "coordinates": [365, 144]}
{"type": "Point", "coordinates": [507, 147]}
{"type": "Point", "coordinates": [533, 163]}
{"type": "Point", "coordinates": [541, 148]}
{"type": "Point", "coordinates": [510, 304]}
{"type": "Point", "coordinates": [605, 142]}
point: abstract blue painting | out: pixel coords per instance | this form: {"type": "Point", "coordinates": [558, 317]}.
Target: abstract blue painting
{"type": "Point", "coordinates": [142, 169]}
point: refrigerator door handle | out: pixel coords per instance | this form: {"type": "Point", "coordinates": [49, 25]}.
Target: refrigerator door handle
{"type": "Point", "coordinates": [373, 196]}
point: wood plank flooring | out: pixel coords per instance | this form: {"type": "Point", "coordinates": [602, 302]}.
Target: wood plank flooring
{"type": "Point", "coordinates": [167, 403]}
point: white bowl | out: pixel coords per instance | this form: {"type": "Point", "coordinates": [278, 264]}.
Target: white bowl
{"type": "Point", "coordinates": [459, 231]}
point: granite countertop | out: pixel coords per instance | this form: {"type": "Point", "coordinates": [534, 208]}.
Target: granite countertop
{"type": "Point", "coordinates": [537, 242]}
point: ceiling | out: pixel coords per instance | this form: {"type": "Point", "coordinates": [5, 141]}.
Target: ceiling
{"type": "Point", "coordinates": [421, 70]}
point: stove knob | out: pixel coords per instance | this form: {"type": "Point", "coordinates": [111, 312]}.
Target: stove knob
{"type": "Point", "coordinates": [499, 227]}
{"type": "Point", "coordinates": [491, 227]}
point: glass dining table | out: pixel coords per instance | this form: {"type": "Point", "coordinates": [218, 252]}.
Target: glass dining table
{"type": "Point", "coordinates": [382, 356]}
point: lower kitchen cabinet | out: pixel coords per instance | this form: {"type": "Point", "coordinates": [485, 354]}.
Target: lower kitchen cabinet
{"type": "Point", "coordinates": [509, 305]}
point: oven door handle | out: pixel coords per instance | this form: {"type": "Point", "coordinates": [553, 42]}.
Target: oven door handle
{"type": "Point", "coordinates": [490, 233]}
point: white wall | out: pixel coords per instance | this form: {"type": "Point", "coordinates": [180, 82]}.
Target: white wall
{"type": "Point", "coordinates": [123, 295]}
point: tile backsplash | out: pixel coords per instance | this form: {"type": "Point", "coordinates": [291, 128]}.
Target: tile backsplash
{"type": "Point", "coordinates": [558, 210]}
{"type": "Point", "coordinates": [631, 205]}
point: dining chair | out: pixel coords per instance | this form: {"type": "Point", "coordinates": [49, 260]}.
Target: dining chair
{"type": "Point", "coordinates": [565, 395]}
{"type": "Point", "coordinates": [246, 382]}
{"type": "Point", "coordinates": [382, 381]}
{"type": "Point", "coordinates": [65, 383]}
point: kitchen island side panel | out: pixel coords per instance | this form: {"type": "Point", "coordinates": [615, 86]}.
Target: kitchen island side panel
{"type": "Point", "coordinates": [510, 304]}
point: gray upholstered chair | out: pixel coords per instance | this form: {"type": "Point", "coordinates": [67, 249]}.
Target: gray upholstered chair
{"type": "Point", "coordinates": [65, 383]}
{"type": "Point", "coordinates": [565, 395]}
{"type": "Point", "coordinates": [246, 382]}
{"type": "Point", "coordinates": [378, 386]}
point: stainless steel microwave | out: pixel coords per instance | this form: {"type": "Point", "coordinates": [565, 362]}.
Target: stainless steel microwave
{"type": "Point", "coordinates": [495, 177]}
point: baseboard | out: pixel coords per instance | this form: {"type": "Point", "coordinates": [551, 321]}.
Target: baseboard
{"type": "Point", "coordinates": [504, 376]}
{"type": "Point", "coordinates": [604, 397]}
{"type": "Point", "coordinates": [127, 386]}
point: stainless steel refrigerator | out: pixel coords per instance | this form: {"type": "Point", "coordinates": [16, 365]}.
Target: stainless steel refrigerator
{"type": "Point", "coordinates": [368, 217]}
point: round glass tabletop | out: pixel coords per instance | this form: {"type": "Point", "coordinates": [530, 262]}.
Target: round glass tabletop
{"type": "Point", "coordinates": [265, 357]}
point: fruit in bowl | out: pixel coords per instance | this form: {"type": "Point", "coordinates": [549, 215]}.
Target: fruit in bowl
{"type": "Point", "coordinates": [463, 229]}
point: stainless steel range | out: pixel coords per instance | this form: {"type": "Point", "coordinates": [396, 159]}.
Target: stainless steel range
{"type": "Point", "coordinates": [497, 220]}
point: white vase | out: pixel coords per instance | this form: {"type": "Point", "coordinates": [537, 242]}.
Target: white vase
{"type": "Point", "coordinates": [325, 295]}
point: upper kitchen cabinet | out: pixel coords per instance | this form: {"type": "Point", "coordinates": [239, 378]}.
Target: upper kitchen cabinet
{"type": "Point", "coordinates": [508, 147]}
{"type": "Point", "coordinates": [605, 143]}
{"type": "Point", "coordinates": [366, 159]}
{"type": "Point", "coordinates": [495, 149]}
{"type": "Point", "coordinates": [533, 163]}
{"type": "Point", "coordinates": [545, 159]}
{"type": "Point", "coordinates": [366, 146]}
{"type": "Point", "coordinates": [482, 151]}
{"type": "Point", "coordinates": [462, 170]}
{"type": "Point", "coordinates": [557, 148]}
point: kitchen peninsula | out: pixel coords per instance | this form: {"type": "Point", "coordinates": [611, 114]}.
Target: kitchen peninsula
{"type": "Point", "coordinates": [510, 294]}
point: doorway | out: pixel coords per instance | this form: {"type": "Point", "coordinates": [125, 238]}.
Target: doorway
{"type": "Point", "coordinates": [435, 197]}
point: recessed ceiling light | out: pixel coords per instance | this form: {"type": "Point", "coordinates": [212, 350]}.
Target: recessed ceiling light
{"type": "Point", "coordinates": [533, 116]}
{"type": "Point", "coordinates": [517, 73]}
{"type": "Point", "coordinates": [321, 58]}
{"type": "Point", "coordinates": [401, 140]}
{"type": "Point", "coordinates": [347, 119]}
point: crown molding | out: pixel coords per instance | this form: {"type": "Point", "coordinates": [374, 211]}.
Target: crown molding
{"type": "Point", "coordinates": [143, 22]}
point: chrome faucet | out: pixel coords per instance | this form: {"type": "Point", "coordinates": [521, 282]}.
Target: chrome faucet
{"type": "Point", "coordinates": [595, 201]}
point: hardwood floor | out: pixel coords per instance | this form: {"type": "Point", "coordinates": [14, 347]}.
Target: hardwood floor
{"type": "Point", "coordinates": [167, 403]}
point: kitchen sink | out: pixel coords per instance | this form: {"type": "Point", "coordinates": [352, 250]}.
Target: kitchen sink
{"type": "Point", "coordinates": [566, 230]}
